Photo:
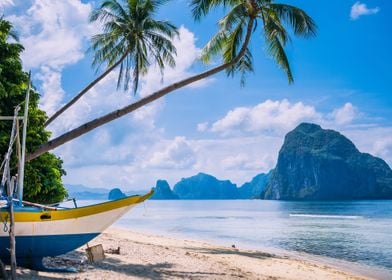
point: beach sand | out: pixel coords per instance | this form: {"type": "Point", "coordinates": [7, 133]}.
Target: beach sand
{"type": "Point", "coordinates": [145, 256]}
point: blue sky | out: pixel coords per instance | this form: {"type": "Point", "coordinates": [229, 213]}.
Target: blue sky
{"type": "Point", "coordinates": [342, 81]}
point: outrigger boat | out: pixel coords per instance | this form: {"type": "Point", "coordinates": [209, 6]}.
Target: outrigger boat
{"type": "Point", "coordinates": [42, 231]}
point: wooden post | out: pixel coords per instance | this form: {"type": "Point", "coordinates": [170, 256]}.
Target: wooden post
{"type": "Point", "coordinates": [11, 186]}
{"type": "Point", "coordinates": [3, 273]}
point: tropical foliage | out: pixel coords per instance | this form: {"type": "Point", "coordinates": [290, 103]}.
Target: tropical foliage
{"type": "Point", "coordinates": [42, 175]}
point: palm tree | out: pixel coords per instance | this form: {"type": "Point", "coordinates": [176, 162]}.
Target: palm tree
{"type": "Point", "coordinates": [7, 31]}
{"type": "Point", "coordinates": [132, 39]}
{"type": "Point", "coordinates": [231, 43]}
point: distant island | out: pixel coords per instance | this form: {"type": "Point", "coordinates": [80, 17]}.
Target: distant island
{"type": "Point", "coordinates": [86, 193]}
{"type": "Point", "coordinates": [92, 193]}
{"type": "Point", "coordinates": [313, 164]}
{"type": "Point", "coordinates": [205, 186]}
{"type": "Point", "coordinates": [116, 193]}
{"type": "Point", "coordinates": [163, 191]}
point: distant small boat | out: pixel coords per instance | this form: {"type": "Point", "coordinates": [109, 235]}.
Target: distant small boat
{"type": "Point", "coordinates": [47, 232]}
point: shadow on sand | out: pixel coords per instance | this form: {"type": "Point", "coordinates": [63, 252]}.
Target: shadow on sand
{"type": "Point", "coordinates": [153, 271]}
{"type": "Point", "coordinates": [228, 251]}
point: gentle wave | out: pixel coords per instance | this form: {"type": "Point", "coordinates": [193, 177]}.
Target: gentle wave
{"type": "Point", "coordinates": [325, 216]}
{"type": "Point", "coordinates": [224, 217]}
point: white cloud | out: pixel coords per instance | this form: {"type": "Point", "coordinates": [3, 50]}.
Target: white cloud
{"type": "Point", "coordinates": [278, 117]}
{"type": "Point", "coordinates": [51, 86]}
{"type": "Point", "coordinates": [274, 116]}
{"type": "Point", "coordinates": [6, 3]}
{"type": "Point", "coordinates": [376, 141]}
{"type": "Point", "coordinates": [202, 126]}
{"type": "Point", "coordinates": [244, 161]}
{"type": "Point", "coordinates": [53, 32]}
{"type": "Point", "coordinates": [360, 9]}
{"type": "Point", "coordinates": [344, 115]}
{"type": "Point", "coordinates": [178, 154]}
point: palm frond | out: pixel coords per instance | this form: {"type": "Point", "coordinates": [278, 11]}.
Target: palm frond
{"type": "Point", "coordinates": [233, 17]}
{"type": "Point", "coordinates": [233, 42]}
{"type": "Point", "coordinates": [276, 50]}
{"type": "Point", "coordinates": [201, 8]}
{"type": "Point", "coordinates": [302, 24]}
{"type": "Point", "coordinates": [273, 25]}
{"type": "Point", "coordinates": [213, 47]}
{"type": "Point", "coordinates": [245, 66]}
{"type": "Point", "coordinates": [7, 30]}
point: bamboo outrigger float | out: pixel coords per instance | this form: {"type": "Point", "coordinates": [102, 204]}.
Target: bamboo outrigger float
{"type": "Point", "coordinates": [41, 231]}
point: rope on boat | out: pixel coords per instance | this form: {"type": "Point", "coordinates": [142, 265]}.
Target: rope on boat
{"type": "Point", "coordinates": [6, 179]}
{"type": "Point", "coordinates": [5, 165]}
{"type": "Point", "coordinates": [5, 225]}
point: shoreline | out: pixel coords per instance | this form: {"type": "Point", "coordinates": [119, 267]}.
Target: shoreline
{"type": "Point", "coordinates": [152, 256]}
{"type": "Point", "coordinates": [365, 270]}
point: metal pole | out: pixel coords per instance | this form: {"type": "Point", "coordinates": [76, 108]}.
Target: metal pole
{"type": "Point", "coordinates": [22, 159]}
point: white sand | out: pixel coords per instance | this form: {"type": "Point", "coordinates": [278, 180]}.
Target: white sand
{"type": "Point", "coordinates": [145, 256]}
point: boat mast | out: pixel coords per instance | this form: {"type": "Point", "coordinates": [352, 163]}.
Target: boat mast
{"type": "Point", "coordinates": [23, 153]}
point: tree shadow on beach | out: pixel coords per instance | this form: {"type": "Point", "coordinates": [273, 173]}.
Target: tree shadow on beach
{"type": "Point", "coordinates": [32, 274]}
{"type": "Point", "coordinates": [163, 270]}
{"type": "Point", "coordinates": [229, 251]}
{"type": "Point", "coordinates": [153, 271]}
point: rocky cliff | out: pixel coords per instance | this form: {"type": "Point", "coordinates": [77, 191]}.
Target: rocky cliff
{"type": "Point", "coordinates": [255, 187]}
{"type": "Point", "coordinates": [163, 191]}
{"type": "Point", "coordinates": [319, 164]}
{"type": "Point", "coordinates": [116, 193]}
{"type": "Point", "coordinates": [204, 186]}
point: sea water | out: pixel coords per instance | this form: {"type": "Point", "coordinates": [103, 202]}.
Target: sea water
{"type": "Point", "coordinates": [355, 231]}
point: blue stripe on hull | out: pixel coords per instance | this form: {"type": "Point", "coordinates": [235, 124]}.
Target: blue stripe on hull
{"type": "Point", "coordinates": [36, 247]}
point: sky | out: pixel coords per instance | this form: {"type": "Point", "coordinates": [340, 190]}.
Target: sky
{"type": "Point", "coordinates": [342, 82]}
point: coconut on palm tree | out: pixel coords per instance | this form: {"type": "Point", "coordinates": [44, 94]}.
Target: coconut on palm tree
{"type": "Point", "coordinates": [245, 18]}
{"type": "Point", "coordinates": [131, 40]}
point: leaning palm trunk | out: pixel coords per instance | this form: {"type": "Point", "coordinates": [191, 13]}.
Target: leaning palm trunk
{"type": "Point", "coordinates": [84, 91]}
{"type": "Point", "coordinates": [83, 129]}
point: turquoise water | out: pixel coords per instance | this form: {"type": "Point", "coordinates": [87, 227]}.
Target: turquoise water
{"type": "Point", "coordinates": [355, 231]}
